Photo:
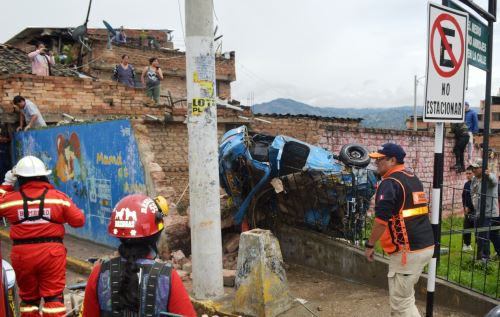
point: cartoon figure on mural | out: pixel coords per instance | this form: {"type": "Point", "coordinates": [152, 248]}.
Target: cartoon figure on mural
{"type": "Point", "coordinates": [69, 158]}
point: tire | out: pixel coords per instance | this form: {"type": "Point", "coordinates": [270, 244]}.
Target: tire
{"type": "Point", "coordinates": [260, 212]}
{"type": "Point", "coordinates": [354, 155]}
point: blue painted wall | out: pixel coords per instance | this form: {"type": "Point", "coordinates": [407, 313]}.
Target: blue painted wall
{"type": "Point", "coordinates": [96, 164]}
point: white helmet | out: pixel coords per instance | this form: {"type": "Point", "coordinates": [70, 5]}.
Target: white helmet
{"type": "Point", "coordinates": [30, 166]}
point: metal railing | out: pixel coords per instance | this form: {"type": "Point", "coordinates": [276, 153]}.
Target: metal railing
{"type": "Point", "coordinates": [473, 266]}
{"type": "Point", "coordinates": [334, 204]}
{"type": "Point", "coordinates": [341, 206]}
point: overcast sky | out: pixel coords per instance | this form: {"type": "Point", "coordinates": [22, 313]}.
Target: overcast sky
{"type": "Point", "coordinates": [321, 52]}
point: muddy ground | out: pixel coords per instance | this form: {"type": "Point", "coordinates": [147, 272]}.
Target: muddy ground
{"type": "Point", "coordinates": [326, 294]}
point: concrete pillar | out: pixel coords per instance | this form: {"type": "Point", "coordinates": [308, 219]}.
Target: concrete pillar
{"type": "Point", "coordinates": [204, 190]}
{"type": "Point", "coordinates": [261, 285]}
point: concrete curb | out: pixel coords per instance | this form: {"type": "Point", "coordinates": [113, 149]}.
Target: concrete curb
{"type": "Point", "coordinates": [211, 308]}
{"type": "Point", "coordinates": [72, 263]}
{"type": "Point", "coordinates": [82, 267]}
{"type": "Point", "coordinates": [324, 253]}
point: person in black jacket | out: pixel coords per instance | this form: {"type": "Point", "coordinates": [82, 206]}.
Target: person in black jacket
{"type": "Point", "coordinates": [468, 210]}
{"type": "Point", "coordinates": [461, 139]}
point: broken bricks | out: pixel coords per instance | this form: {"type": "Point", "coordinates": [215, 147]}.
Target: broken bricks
{"type": "Point", "coordinates": [231, 243]}
{"type": "Point", "coordinates": [229, 277]}
{"type": "Point", "coordinates": [179, 258]}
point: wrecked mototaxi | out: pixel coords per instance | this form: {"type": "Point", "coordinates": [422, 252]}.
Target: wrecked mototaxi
{"type": "Point", "coordinates": [273, 180]}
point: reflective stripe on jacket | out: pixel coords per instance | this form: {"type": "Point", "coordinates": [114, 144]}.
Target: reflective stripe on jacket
{"type": "Point", "coordinates": [57, 207]}
{"type": "Point", "coordinates": [409, 229]}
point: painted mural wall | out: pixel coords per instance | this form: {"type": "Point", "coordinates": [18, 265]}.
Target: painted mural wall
{"type": "Point", "coordinates": [95, 164]}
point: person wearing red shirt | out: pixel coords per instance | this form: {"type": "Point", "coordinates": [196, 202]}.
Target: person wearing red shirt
{"type": "Point", "coordinates": [134, 284]}
{"type": "Point", "coordinates": [37, 214]}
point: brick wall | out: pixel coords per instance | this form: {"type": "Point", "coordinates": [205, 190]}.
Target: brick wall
{"type": "Point", "coordinates": [307, 129]}
{"type": "Point", "coordinates": [76, 96]}
{"type": "Point", "coordinates": [419, 146]}
{"type": "Point", "coordinates": [90, 99]}
{"type": "Point", "coordinates": [168, 145]}
{"type": "Point", "coordinates": [173, 65]}
{"type": "Point", "coordinates": [101, 62]}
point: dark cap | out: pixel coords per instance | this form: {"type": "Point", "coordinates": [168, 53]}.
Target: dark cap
{"type": "Point", "coordinates": [390, 150]}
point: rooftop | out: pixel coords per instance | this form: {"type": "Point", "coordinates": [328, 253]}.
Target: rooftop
{"type": "Point", "coordinates": [298, 116]}
{"type": "Point", "coordinates": [33, 35]}
{"type": "Point", "coordinates": [15, 61]}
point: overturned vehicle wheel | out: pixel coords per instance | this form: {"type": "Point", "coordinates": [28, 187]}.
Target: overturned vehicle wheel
{"type": "Point", "coordinates": [354, 155]}
{"type": "Point", "coordinates": [262, 212]}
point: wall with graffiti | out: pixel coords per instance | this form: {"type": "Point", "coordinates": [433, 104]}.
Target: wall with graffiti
{"type": "Point", "coordinates": [95, 164]}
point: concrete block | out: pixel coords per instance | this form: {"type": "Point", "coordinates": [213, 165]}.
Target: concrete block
{"type": "Point", "coordinates": [178, 257]}
{"type": "Point", "coordinates": [183, 275]}
{"type": "Point", "coordinates": [229, 277]}
{"type": "Point", "coordinates": [188, 267]}
{"type": "Point", "coordinates": [261, 284]}
{"type": "Point", "coordinates": [231, 243]}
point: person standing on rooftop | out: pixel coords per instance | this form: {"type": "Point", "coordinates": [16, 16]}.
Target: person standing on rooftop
{"type": "Point", "coordinates": [41, 60]}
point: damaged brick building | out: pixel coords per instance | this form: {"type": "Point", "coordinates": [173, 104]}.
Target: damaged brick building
{"type": "Point", "coordinates": [99, 61]}
{"type": "Point", "coordinates": [161, 132]}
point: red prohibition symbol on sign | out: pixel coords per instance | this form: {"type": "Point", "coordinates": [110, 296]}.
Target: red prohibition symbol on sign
{"type": "Point", "coordinates": [456, 62]}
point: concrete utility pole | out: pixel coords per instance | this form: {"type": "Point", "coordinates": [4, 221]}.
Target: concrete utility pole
{"type": "Point", "coordinates": [204, 192]}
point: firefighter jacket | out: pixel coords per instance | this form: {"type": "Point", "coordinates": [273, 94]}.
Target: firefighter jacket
{"type": "Point", "coordinates": [402, 206]}
{"type": "Point", "coordinates": [38, 211]}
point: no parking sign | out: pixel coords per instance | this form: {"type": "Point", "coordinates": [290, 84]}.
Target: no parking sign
{"type": "Point", "coordinates": [446, 65]}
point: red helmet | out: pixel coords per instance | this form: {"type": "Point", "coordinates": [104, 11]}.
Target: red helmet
{"type": "Point", "coordinates": [137, 216]}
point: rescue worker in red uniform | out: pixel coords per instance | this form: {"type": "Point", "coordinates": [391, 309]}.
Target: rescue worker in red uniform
{"type": "Point", "coordinates": [134, 284]}
{"type": "Point", "coordinates": [4, 301]}
{"type": "Point", "coordinates": [402, 224]}
{"type": "Point", "coordinates": [37, 214]}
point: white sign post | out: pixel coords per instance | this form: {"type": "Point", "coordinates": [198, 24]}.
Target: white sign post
{"type": "Point", "coordinates": [444, 102]}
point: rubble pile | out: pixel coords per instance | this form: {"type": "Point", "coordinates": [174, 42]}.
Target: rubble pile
{"type": "Point", "coordinates": [230, 243]}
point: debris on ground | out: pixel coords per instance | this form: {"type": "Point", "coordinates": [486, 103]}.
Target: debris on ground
{"type": "Point", "coordinates": [231, 243]}
{"type": "Point", "coordinates": [229, 277]}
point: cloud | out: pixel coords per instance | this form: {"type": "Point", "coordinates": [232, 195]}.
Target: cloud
{"type": "Point", "coordinates": [345, 53]}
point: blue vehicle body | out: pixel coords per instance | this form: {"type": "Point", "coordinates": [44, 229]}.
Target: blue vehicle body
{"type": "Point", "coordinates": [265, 173]}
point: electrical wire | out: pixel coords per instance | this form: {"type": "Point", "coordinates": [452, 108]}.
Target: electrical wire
{"type": "Point", "coordinates": [257, 78]}
{"type": "Point", "coordinates": [182, 22]}
{"type": "Point", "coordinates": [215, 13]}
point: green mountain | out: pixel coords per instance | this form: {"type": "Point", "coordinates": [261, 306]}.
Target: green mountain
{"type": "Point", "coordinates": [384, 118]}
